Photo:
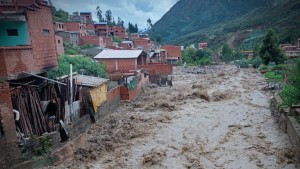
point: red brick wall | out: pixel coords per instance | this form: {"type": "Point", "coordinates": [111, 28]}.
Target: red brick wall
{"type": "Point", "coordinates": [142, 60]}
{"type": "Point", "coordinates": [118, 31]}
{"type": "Point", "coordinates": [58, 26]}
{"type": "Point", "coordinates": [144, 43]}
{"type": "Point", "coordinates": [173, 51]}
{"type": "Point", "coordinates": [3, 70]}
{"type": "Point", "coordinates": [107, 41]}
{"type": "Point", "coordinates": [43, 46]}
{"type": "Point", "coordinates": [59, 45]}
{"type": "Point", "coordinates": [40, 55]}
{"type": "Point", "coordinates": [16, 60]}
{"type": "Point", "coordinates": [124, 65]}
{"type": "Point", "coordinates": [7, 114]}
{"type": "Point", "coordinates": [72, 26]}
{"type": "Point", "coordinates": [113, 93]}
{"type": "Point", "coordinates": [155, 69]}
{"type": "Point", "coordinates": [90, 26]}
{"type": "Point", "coordinates": [127, 94]}
{"type": "Point", "coordinates": [95, 40]}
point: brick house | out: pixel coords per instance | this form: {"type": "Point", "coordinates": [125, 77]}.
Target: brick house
{"type": "Point", "coordinates": [76, 27]}
{"type": "Point", "coordinates": [90, 29]}
{"type": "Point", "coordinates": [27, 44]}
{"type": "Point", "coordinates": [127, 45]}
{"type": "Point", "coordinates": [290, 50]}
{"type": "Point", "coordinates": [59, 45]}
{"type": "Point", "coordinates": [173, 53]}
{"type": "Point", "coordinates": [107, 41]}
{"type": "Point", "coordinates": [142, 43]}
{"type": "Point", "coordinates": [158, 56]}
{"type": "Point", "coordinates": [202, 45]}
{"type": "Point", "coordinates": [101, 28]}
{"type": "Point", "coordinates": [122, 60]}
{"type": "Point", "coordinates": [71, 37]}
{"type": "Point", "coordinates": [134, 36]}
{"type": "Point", "coordinates": [95, 40]}
{"type": "Point", "coordinates": [117, 31]}
{"type": "Point", "coordinates": [87, 15]}
{"type": "Point", "coordinates": [58, 26]}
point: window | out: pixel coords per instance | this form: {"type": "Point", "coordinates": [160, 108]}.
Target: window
{"type": "Point", "coordinates": [62, 26]}
{"type": "Point", "coordinates": [12, 32]}
{"type": "Point", "coordinates": [46, 32]}
{"type": "Point", "coordinates": [58, 41]}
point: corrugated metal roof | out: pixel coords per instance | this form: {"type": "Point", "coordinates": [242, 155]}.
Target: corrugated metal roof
{"type": "Point", "coordinates": [90, 80]}
{"type": "Point", "coordinates": [119, 54]}
{"type": "Point", "coordinates": [101, 23]}
{"type": "Point", "coordinates": [172, 58]}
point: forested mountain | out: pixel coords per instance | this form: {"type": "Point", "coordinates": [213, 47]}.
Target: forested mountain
{"type": "Point", "coordinates": [233, 21]}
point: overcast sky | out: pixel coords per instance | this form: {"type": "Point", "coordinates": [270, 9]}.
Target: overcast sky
{"type": "Point", "coordinates": [134, 11]}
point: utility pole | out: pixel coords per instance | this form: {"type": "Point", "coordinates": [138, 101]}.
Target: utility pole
{"type": "Point", "coordinates": [71, 93]}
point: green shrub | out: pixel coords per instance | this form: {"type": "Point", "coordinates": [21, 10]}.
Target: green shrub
{"type": "Point", "coordinates": [290, 95]}
{"type": "Point", "coordinates": [87, 64]}
{"type": "Point", "coordinates": [40, 146]}
{"type": "Point", "coordinates": [273, 75]}
{"type": "Point", "coordinates": [71, 52]}
{"type": "Point", "coordinates": [263, 68]}
{"type": "Point", "coordinates": [280, 67]}
{"type": "Point", "coordinates": [256, 62]}
{"type": "Point", "coordinates": [244, 64]}
{"type": "Point", "coordinates": [87, 46]}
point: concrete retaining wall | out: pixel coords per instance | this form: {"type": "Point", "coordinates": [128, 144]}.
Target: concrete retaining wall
{"type": "Point", "coordinates": [293, 130]}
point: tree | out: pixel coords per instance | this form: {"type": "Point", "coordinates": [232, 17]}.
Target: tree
{"type": "Point", "coordinates": [256, 50]}
{"type": "Point", "coordinates": [136, 29]}
{"type": "Point", "coordinates": [226, 53]}
{"type": "Point", "coordinates": [270, 51]}
{"type": "Point", "coordinates": [132, 28]}
{"type": "Point", "coordinates": [99, 14]}
{"type": "Point", "coordinates": [113, 22]}
{"type": "Point", "coordinates": [120, 22]}
{"type": "Point", "coordinates": [149, 23]}
{"type": "Point", "coordinates": [108, 17]}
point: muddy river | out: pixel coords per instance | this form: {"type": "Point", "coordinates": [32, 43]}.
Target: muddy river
{"type": "Point", "coordinates": [220, 119]}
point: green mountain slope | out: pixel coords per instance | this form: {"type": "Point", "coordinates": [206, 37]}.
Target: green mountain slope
{"type": "Point", "coordinates": [238, 22]}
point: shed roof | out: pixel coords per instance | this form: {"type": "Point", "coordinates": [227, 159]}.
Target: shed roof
{"type": "Point", "coordinates": [119, 54]}
{"type": "Point", "coordinates": [90, 80]}
{"type": "Point", "coordinates": [101, 23]}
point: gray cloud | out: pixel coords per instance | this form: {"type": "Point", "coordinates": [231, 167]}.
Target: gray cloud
{"type": "Point", "coordinates": [134, 11]}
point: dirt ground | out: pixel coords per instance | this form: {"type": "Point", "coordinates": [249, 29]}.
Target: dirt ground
{"type": "Point", "coordinates": [217, 120]}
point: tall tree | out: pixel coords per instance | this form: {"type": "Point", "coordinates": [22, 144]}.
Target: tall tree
{"type": "Point", "coordinates": [113, 22]}
{"type": "Point", "coordinates": [120, 22]}
{"type": "Point", "coordinates": [149, 23]}
{"type": "Point", "coordinates": [108, 17]}
{"type": "Point", "coordinates": [99, 14]}
{"type": "Point", "coordinates": [136, 29]}
{"type": "Point", "coordinates": [270, 51]}
{"type": "Point", "coordinates": [132, 28]}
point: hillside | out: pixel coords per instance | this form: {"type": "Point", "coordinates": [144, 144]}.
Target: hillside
{"type": "Point", "coordinates": [219, 21]}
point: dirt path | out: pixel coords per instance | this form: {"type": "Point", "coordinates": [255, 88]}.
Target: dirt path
{"type": "Point", "coordinates": [217, 120]}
